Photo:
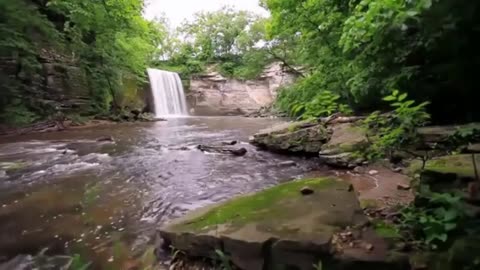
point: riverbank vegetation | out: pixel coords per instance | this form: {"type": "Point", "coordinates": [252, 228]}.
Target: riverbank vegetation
{"type": "Point", "coordinates": [49, 45]}
{"type": "Point", "coordinates": [363, 50]}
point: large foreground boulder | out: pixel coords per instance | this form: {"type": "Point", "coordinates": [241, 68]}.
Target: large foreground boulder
{"type": "Point", "coordinates": [279, 228]}
{"type": "Point", "coordinates": [306, 137]}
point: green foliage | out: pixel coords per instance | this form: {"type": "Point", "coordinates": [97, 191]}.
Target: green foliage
{"type": "Point", "coordinates": [464, 136]}
{"type": "Point", "coordinates": [389, 132]}
{"type": "Point", "coordinates": [23, 32]}
{"type": "Point", "coordinates": [358, 49]}
{"type": "Point", "coordinates": [436, 219]}
{"type": "Point", "coordinates": [223, 260]}
{"type": "Point", "coordinates": [78, 263]}
{"type": "Point", "coordinates": [107, 39]}
{"type": "Point", "coordinates": [17, 114]}
{"type": "Point", "coordinates": [305, 100]}
{"type": "Point", "coordinates": [227, 39]}
{"type": "Point", "coordinates": [111, 39]}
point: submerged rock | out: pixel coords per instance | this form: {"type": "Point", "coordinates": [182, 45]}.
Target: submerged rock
{"type": "Point", "coordinates": [230, 143]}
{"type": "Point", "coordinates": [288, 163]}
{"type": "Point", "coordinates": [223, 150]}
{"type": "Point", "coordinates": [306, 137]}
{"type": "Point", "coordinates": [275, 228]}
{"type": "Point", "coordinates": [105, 139]}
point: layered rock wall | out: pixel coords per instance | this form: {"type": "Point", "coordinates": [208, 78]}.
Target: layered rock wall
{"type": "Point", "coordinates": [213, 94]}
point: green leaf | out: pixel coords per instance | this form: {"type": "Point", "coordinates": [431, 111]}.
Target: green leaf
{"type": "Point", "coordinates": [450, 226]}
{"type": "Point", "coordinates": [450, 215]}
{"type": "Point", "coordinates": [389, 98]}
{"type": "Point", "coordinates": [442, 237]}
{"type": "Point", "coordinates": [402, 97]}
{"type": "Point", "coordinates": [427, 4]}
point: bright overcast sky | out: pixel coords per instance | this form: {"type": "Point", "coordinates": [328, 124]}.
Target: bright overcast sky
{"type": "Point", "coordinates": [179, 10]}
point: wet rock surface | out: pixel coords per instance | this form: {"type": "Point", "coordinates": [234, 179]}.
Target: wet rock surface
{"type": "Point", "coordinates": [305, 137]}
{"type": "Point", "coordinates": [335, 143]}
{"type": "Point", "coordinates": [236, 151]}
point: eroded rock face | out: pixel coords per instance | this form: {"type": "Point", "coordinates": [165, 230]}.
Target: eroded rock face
{"type": "Point", "coordinates": [275, 228]}
{"type": "Point", "coordinates": [339, 151]}
{"type": "Point", "coordinates": [306, 137]}
{"type": "Point", "coordinates": [213, 94]}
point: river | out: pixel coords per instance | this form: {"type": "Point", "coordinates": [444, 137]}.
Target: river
{"type": "Point", "coordinates": [67, 192]}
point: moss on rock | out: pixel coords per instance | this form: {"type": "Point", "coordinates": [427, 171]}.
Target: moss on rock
{"type": "Point", "coordinates": [386, 230]}
{"type": "Point", "coordinates": [275, 227]}
{"type": "Point", "coordinates": [460, 165]}
{"type": "Point", "coordinates": [264, 205]}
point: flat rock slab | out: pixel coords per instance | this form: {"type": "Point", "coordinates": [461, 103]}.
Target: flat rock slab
{"type": "Point", "coordinates": [278, 227]}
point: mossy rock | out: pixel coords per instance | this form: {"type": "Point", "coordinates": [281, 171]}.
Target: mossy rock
{"type": "Point", "coordinates": [452, 167]}
{"type": "Point", "coordinates": [277, 227]}
{"type": "Point", "coordinates": [346, 137]}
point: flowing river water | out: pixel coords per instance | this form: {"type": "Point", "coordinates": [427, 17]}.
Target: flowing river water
{"type": "Point", "coordinates": [73, 194]}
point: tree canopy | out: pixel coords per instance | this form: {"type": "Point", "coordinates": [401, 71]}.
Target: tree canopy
{"type": "Point", "coordinates": [363, 50]}
{"type": "Point", "coordinates": [233, 40]}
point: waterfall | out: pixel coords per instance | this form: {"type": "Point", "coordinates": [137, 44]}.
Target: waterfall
{"type": "Point", "coordinates": [168, 95]}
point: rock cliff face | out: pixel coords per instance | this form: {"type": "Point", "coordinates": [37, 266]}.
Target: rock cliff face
{"type": "Point", "coordinates": [62, 85]}
{"type": "Point", "coordinates": [213, 94]}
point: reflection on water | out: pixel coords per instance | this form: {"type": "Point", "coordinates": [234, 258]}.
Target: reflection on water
{"type": "Point", "coordinates": [68, 192]}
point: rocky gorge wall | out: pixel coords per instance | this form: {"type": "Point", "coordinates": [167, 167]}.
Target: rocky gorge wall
{"type": "Point", "coordinates": [212, 94]}
{"type": "Point", "coordinates": [60, 84]}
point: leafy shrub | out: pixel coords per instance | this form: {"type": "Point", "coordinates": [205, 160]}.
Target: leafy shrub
{"type": "Point", "coordinates": [438, 217]}
{"type": "Point", "coordinates": [389, 132]}
{"type": "Point", "coordinates": [17, 114]}
{"type": "Point", "coordinates": [305, 100]}
{"type": "Point", "coordinates": [223, 260]}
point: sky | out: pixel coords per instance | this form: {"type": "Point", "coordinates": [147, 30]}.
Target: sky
{"type": "Point", "coordinates": [179, 10]}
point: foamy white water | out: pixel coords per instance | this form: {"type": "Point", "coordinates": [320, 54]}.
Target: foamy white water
{"type": "Point", "coordinates": [168, 95]}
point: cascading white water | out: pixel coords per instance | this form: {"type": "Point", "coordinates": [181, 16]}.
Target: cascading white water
{"type": "Point", "coordinates": [168, 95]}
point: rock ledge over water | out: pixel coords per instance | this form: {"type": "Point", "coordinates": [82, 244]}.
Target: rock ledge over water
{"type": "Point", "coordinates": [275, 228]}
{"type": "Point", "coordinates": [305, 137]}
